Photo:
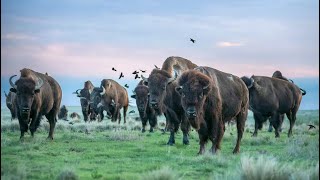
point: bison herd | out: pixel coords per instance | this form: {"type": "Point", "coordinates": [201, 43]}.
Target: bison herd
{"type": "Point", "coordinates": [185, 93]}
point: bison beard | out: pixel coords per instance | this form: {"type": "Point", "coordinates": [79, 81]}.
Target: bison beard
{"type": "Point", "coordinates": [209, 99]}
{"type": "Point", "coordinates": [37, 95]}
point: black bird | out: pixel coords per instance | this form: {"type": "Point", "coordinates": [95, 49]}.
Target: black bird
{"type": "Point", "coordinates": [113, 69]}
{"type": "Point", "coordinates": [126, 85]}
{"type": "Point", "coordinates": [136, 76]}
{"type": "Point", "coordinates": [121, 75]}
{"type": "Point", "coordinates": [311, 126]}
{"type": "Point", "coordinates": [192, 40]}
{"type": "Point", "coordinates": [143, 71]}
{"type": "Point", "coordinates": [156, 66]}
{"type": "Point", "coordinates": [135, 72]}
{"type": "Point", "coordinates": [132, 111]}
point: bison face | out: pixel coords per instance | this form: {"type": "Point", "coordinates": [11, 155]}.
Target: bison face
{"type": "Point", "coordinates": [95, 98]}
{"type": "Point", "coordinates": [142, 96]}
{"type": "Point", "coordinates": [157, 83]}
{"type": "Point", "coordinates": [26, 90]}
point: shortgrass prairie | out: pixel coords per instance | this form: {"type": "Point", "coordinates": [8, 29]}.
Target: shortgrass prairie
{"type": "Point", "coordinates": [107, 150]}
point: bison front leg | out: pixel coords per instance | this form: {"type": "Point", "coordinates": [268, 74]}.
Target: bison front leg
{"type": "Point", "coordinates": [185, 127]}
{"type": "Point", "coordinates": [35, 123]}
{"type": "Point", "coordinates": [203, 137]}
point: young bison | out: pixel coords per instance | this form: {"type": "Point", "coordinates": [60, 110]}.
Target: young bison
{"type": "Point", "coordinates": [209, 99]}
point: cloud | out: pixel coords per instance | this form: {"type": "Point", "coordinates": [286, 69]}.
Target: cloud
{"type": "Point", "coordinates": [229, 44]}
{"type": "Point", "coordinates": [17, 36]}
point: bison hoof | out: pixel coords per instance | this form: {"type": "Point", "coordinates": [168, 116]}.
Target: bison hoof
{"type": "Point", "coordinates": [270, 130]}
{"type": "Point", "coordinates": [151, 130]}
{"type": "Point", "coordinates": [236, 151]}
{"type": "Point", "coordinates": [49, 138]}
{"type": "Point", "coordinates": [186, 142]}
{"type": "Point", "coordinates": [170, 143]}
{"type": "Point", "coordinates": [254, 135]}
{"type": "Point", "coordinates": [143, 130]}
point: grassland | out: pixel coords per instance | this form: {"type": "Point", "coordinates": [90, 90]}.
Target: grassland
{"type": "Point", "coordinates": [112, 151]}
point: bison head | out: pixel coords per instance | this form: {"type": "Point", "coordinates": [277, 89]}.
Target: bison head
{"type": "Point", "coordinates": [141, 94]}
{"type": "Point", "coordinates": [193, 88]}
{"type": "Point", "coordinates": [157, 83]}
{"type": "Point", "coordinates": [26, 90]}
{"type": "Point", "coordinates": [84, 96]}
{"type": "Point", "coordinates": [95, 98]}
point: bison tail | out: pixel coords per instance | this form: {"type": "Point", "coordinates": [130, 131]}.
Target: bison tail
{"type": "Point", "coordinates": [303, 92]}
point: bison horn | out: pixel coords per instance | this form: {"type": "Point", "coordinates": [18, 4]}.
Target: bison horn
{"type": "Point", "coordinates": [39, 84]}
{"type": "Point", "coordinates": [76, 91]}
{"type": "Point", "coordinates": [172, 78]}
{"type": "Point", "coordinates": [11, 83]}
{"type": "Point", "coordinates": [5, 94]}
{"type": "Point", "coordinates": [206, 87]}
{"type": "Point", "coordinates": [251, 84]}
{"type": "Point", "coordinates": [103, 91]}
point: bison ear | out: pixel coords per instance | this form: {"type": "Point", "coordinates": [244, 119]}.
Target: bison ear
{"type": "Point", "coordinates": [133, 96]}
{"type": "Point", "coordinates": [178, 89]}
{"type": "Point", "coordinates": [37, 91]}
{"type": "Point", "coordinates": [13, 90]}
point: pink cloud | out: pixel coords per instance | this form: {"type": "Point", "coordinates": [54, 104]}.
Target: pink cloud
{"type": "Point", "coordinates": [229, 44]}
{"type": "Point", "coordinates": [17, 36]}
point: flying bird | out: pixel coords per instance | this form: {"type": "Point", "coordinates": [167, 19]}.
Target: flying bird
{"type": "Point", "coordinates": [126, 85]}
{"type": "Point", "coordinates": [113, 69]}
{"type": "Point", "coordinates": [132, 111]}
{"type": "Point", "coordinates": [135, 72]}
{"type": "Point", "coordinates": [311, 126]}
{"type": "Point", "coordinates": [192, 40]}
{"type": "Point", "coordinates": [121, 75]}
{"type": "Point", "coordinates": [143, 71]}
{"type": "Point", "coordinates": [156, 66]}
{"type": "Point", "coordinates": [136, 77]}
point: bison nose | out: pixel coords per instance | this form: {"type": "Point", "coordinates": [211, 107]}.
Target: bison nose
{"type": "Point", "coordinates": [153, 104]}
{"type": "Point", "coordinates": [25, 110]}
{"type": "Point", "coordinates": [191, 112]}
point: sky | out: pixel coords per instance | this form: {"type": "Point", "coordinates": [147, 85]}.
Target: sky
{"type": "Point", "coordinates": [79, 40]}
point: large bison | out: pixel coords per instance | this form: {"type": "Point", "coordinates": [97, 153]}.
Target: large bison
{"type": "Point", "coordinates": [165, 99]}
{"type": "Point", "coordinates": [209, 99]}
{"type": "Point", "coordinates": [11, 104]}
{"type": "Point", "coordinates": [37, 95]}
{"type": "Point", "coordinates": [109, 95]}
{"type": "Point", "coordinates": [84, 96]}
{"type": "Point", "coordinates": [63, 113]}
{"type": "Point", "coordinates": [141, 94]}
{"type": "Point", "coordinates": [272, 97]}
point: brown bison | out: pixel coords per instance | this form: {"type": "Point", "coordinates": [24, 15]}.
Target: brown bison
{"type": "Point", "coordinates": [63, 113]}
{"type": "Point", "coordinates": [11, 104]}
{"type": "Point", "coordinates": [141, 94]}
{"type": "Point", "coordinates": [109, 94]}
{"type": "Point", "coordinates": [272, 97]}
{"type": "Point", "coordinates": [165, 99]}
{"type": "Point", "coordinates": [74, 115]}
{"type": "Point", "coordinates": [84, 96]}
{"type": "Point", "coordinates": [37, 95]}
{"type": "Point", "coordinates": [210, 98]}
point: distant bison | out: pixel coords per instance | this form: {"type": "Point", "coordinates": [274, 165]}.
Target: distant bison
{"type": "Point", "coordinates": [84, 96]}
{"type": "Point", "coordinates": [210, 98]}
{"type": "Point", "coordinates": [11, 104]}
{"type": "Point", "coordinates": [63, 113]}
{"type": "Point", "coordinates": [165, 99]}
{"type": "Point", "coordinates": [141, 94]}
{"type": "Point", "coordinates": [272, 97]}
{"type": "Point", "coordinates": [110, 94]}
{"type": "Point", "coordinates": [74, 115]}
{"type": "Point", "coordinates": [37, 95]}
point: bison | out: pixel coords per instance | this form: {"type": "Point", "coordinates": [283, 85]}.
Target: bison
{"type": "Point", "coordinates": [165, 99]}
{"type": "Point", "coordinates": [272, 97]}
{"type": "Point", "coordinates": [141, 94]}
{"type": "Point", "coordinates": [37, 95]}
{"type": "Point", "coordinates": [11, 104]}
{"type": "Point", "coordinates": [74, 115]}
{"type": "Point", "coordinates": [210, 98]}
{"type": "Point", "coordinates": [84, 96]}
{"type": "Point", "coordinates": [109, 94]}
{"type": "Point", "coordinates": [63, 113]}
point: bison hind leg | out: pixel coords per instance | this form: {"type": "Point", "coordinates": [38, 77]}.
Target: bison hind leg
{"type": "Point", "coordinates": [241, 120]}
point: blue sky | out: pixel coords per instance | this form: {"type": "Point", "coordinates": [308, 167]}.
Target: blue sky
{"type": "Point", "coordinates": [78, 40]}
